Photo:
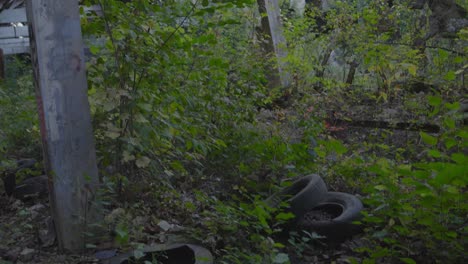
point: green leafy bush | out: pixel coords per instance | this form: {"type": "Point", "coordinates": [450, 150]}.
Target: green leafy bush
{"type": "Point", "coordinates": [165, 90]}
{"type": "Point", "coordinates": [417, 211]}
{"type": "Point", "coordinates": [19, 128]}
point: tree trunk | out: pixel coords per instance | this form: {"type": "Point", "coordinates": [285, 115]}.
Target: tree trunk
{"type": "Point", "coordinates": [352, 71]}
{"type": "Point", "coordinates": [324, 62]}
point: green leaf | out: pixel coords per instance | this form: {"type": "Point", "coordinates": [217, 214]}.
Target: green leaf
{"type": "Point", "coordinates": [426, 220]}
{"type": "Point", "coordinates": [188, 145]}
{"type": "Point", "coordinates": [139, 118]}
{"type": "Point", "coordinates": [443, 54]}
{"type": "Point", "coordinates": [408, 260]}
{"type": "Point", "coordinates": [320, 152]}
{"type": "Point", "coordinates": [451, 234]}
{"type": "Point", "coordinates": [428, 139]}
{"type": "Point", "coordinates": [279, 245]}
{"type": "Point", "coordinates": [281, 258]}
{"type": "Point", "coordinates": [142, 162]}
{"type": "Point", "coordinates": [463, 134]}
{"type": "Point", "coordinates": [88, 246]}
{"type": "Point", "coordinates": [434, 153]}
{"type": "Point", "coordinates": [285, 216]}
{"type": "Point", "coordinates": [126, 156]}
{"type": "Point", "coordinates": [94, 49]}
{"type": "Point", "coordinates": [382, 252]}
{"type": "Point", "coordinates": [412, 69]}
{"type": "Point", "coordinates": [121, 232]}
{"type": "Point", "coordinates": [454, 106]}
{"type": "Point", "coordinates": [138, 254]}
{"type": "Point", "coordinates": [220, 143]}
{"type": "Point", "coordinates": [177, 166]}
{"type": "Point", "coordinates": [380, 187]}
{"type": "Point", "coordinates": [338, 147]}
{"type": "Point", "coordinates": [450, 142]}
{"type": "Point", "coordinates": [459, 158]}
{"type": "Point", "coordinates": [450, 76]}
{"type": "Point", "coordinates": [452, 190]}
{"type": "Point", "coordinates": [449, 123]}
{"type": "Point", "coordinates": [434, 100]}
{"type": "Point", "coordinates": [112, 134]}
{"type": "Point", "coordinates": [380, 234]}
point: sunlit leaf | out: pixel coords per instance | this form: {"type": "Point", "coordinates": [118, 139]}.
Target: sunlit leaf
{"type": "Point", "coordinates": [408, 260]}
{"type": "Point", "coordinates": [435, 100]}
{"type": "Point", "coordinates": [450, 76]}
{"type": "Point", "coordinates": [142, 162]}
{"type": "Point", "coordinates": [428, 139]}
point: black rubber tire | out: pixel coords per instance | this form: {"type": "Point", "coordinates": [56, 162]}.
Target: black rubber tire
{"type": "Point", "coordinates": [9, 177]}
{"type": "Point", "coordinates": [26, 164]}
{"type": "Point", "coordinates": [341, 226]}
{"type": "Point", "coordinates": [37, 185]}
{"type": "Point", "coordinates": [302, 195]}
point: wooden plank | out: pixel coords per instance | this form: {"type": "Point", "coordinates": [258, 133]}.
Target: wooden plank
{"type": "Point", "coordinates": [13, 15]}
{"type": "Point", "coordinates": [13, 32]}
{"type": "Point", "coordinates": [22, 31]}
{"type": "Point", "coordinates": [10, 50]}
{"type": "Point", "coordinates": [65, 120]}
{"type": "Point", "coordinates": [21, 45]}
{"type": "Point", "coordinates": [15, 46]}
{"type": "Point", "coordinates": [16, 50]}
{"type": "Point", "coordinates": [7, 32]}
{"type": "Point", "coordinates": [14, 41]}
{"type": "Point", "coordinates": [10, 36]}
{"type": "Point", "coordinates": [19, 14]}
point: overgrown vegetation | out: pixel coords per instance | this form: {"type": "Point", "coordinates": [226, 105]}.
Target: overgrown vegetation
{"type": "Point", "coordinates": [188, 131]}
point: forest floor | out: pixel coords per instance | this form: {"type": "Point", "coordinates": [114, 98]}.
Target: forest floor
{"type": "Point", "coordinates": [27, 238]}
{"type": "Point", "coordinates": [27, 235]}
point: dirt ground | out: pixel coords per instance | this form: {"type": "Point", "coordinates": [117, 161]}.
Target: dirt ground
{"type": "Point", "coordinates": [27, 236]}
{"type": "Point", "coordinates": [26, 229]}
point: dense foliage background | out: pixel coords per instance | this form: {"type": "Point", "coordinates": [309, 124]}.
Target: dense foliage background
{"type": "Point", "coordinates": [189, 129]}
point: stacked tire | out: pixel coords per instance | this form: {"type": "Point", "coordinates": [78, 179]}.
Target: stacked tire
{"type": "Point", "coordinates": [329, 214]}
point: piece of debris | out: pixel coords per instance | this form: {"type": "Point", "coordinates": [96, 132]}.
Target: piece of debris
{"type": "Point", "coordinates": [27, 254]}
{"type": "Point", "coordinates": [164, 225]}
{"type": "Point", "coordinates": [105, 254]}
{"type": "Point", "coordinates": [47, 236]}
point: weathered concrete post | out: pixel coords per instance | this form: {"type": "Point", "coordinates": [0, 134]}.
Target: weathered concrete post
{"type": "Point", "coordinates": [274, 29]}
{"type": "Point", "coordinates": [61, 91]}
{"type": "Point", "coordinates": [298, 6]}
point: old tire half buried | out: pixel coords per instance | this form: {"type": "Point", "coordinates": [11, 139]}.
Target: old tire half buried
{"type": "Point", "coordinates": [333, 217]}
{"type": "Point", "coordinates": [303, 195]}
